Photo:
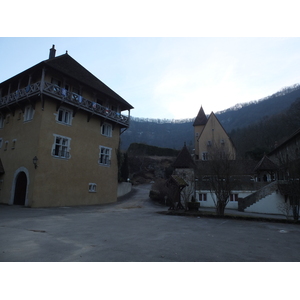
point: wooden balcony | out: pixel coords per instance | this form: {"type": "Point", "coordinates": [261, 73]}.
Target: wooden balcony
{"type": "Point", "coordinates": [64, 96]}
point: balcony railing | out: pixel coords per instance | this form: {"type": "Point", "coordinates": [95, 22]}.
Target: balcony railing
{"type": "Point", "coordinates": [64, 96]}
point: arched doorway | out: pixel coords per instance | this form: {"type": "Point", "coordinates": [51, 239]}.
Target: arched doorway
{"type": "Point", "coordinates": [20, 189]}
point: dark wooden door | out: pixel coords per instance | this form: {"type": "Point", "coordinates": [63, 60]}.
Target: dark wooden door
{"type": "Point", "coordinates": [20, 189]}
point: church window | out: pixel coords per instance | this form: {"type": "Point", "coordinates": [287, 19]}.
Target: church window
{"type": "Point", "coordinates": [204, 155]}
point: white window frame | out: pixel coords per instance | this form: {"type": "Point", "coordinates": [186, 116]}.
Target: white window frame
{"type": "Point", "coordinates": [92, 187]}
{"type": "Point", "coordinates": [233, 197]}
{"type": "Point", "coordinates": [61, 147]}
{"type": "Point", "coordinates": [105, 156]}
{"type": "Point", "coordinates": [205, 156]}
{"type": "Point", "coordinates": [28, 113]}
{"type": "Point", "coordinates": [106, 130]}
{"type": "Point", "coordinates": [64, 116]}
{"type": "Point", "coordinates": [202, 196]}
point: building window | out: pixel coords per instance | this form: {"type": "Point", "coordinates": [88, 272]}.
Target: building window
{"type": "Point", "coordinates": [234, 197]}
{"type": "Point", "coordinates": [6, 145]}
{"type": "Point", "coordinates": [28, 113]}
{"type": "Point", "coordinates": [64, 116]}
{"type": "Point", "coordinates": [92, 187]}
{"type": "Point", "coordinates": [202, 197]}
{"type": "Point", "coordinates": [105, 156]}
{"type": "Point", "coordinates": [204, 155]}
{"type": "Point", "coordinates": [1, 142]}
{"type": "Point", "coordinates": [61, 147]}
{"type": "Point", "coordinates": [13, 144]}
{"type": "Point", "coordinates": [106, 129]}
{"type": "Point", "coordinates": [56, 85]}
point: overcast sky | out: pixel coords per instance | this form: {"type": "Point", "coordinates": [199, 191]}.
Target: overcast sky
{"type": "Point", "coordinates": [169, 77]}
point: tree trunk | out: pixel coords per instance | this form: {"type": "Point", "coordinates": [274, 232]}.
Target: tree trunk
{"type": "Point", "coordinates": [296, 212]}
{"type": "Point", "coordinates": [220, 208]}
{"type": "Point", "coordinates": [295, 201]}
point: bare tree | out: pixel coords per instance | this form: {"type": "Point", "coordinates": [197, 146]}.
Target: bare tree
{"type": "Point", "coordinates": [285, 207]}
{"type": "Point", "coordinates": [291, 190]}
{"type": "Point", "coordinates": [220, 170]}
{"type": "Point", "coordinates": [290, 173]}
{"type": "Point", "coordinates": [189, 191]}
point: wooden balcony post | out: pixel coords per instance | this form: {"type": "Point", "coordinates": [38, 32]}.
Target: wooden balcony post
{"type": "Point", "coordinates": [42, 80]}
{"type": "Point", "coordinates": [8, 92]}
{"type": "Point", "coordinates": [29, 80]}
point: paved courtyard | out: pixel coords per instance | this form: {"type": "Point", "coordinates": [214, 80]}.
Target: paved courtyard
{"type": "Point", "coordinates": [131, 230]}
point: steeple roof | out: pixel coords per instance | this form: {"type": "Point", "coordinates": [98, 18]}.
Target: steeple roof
{"type": "Point", "coordinates": [184, 159]}
{"type": "Point", "coordinates": [201, 118]}
{"type": "Point", "coordinates": [266, 164]}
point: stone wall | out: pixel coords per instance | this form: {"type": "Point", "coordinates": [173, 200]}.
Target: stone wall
{"type": "Point", "coordinates": [124, 188]}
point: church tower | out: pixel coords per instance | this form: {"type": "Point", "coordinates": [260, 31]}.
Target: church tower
{"type": "Point", "coordinates": [199, 125]}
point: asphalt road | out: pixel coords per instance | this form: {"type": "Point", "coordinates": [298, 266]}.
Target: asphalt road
{"type": "Point", "coordinates": [131, 230]}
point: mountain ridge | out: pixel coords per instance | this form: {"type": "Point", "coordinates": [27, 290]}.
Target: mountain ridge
{"type": "Point", "coordinates": [174, 133]}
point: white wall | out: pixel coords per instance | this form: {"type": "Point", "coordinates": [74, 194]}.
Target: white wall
{"type": "Point", "coordinates": [210, 201]}
{"type": "Point", "coordinates": [267, 205]}
{"type": "Point", "coordinates": [124, 188]}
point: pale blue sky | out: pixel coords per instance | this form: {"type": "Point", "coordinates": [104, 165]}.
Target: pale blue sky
{"type": "Point", "coordinates": [166, 77]}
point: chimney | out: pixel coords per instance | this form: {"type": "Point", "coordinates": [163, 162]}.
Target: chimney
{"type": "Point", "coordinates": [52, 52]}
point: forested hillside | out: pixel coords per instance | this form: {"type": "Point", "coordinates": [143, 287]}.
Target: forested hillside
{"type": "Point", "coordinates": [161, 133]}
{"type": "Point", "coordinates": [242, 115]}
{"type": "Point", "coordinates": [254, 127]}
{"type": "Point", "coordinates": [261, 137]}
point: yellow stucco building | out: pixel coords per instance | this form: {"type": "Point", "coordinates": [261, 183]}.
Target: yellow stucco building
{"type": "Point", "coordinates": [59, 134]}
{"type": "Point", "coordinates": [211, 138]}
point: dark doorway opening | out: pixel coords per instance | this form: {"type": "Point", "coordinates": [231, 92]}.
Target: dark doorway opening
{"type": "Point", "coordinates": [20, 189]}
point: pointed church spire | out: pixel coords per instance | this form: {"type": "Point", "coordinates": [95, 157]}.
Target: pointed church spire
{"type": "Point", "coordinates": [184, 159]}
{"type": "Point", "coordinates": [201, 118]}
